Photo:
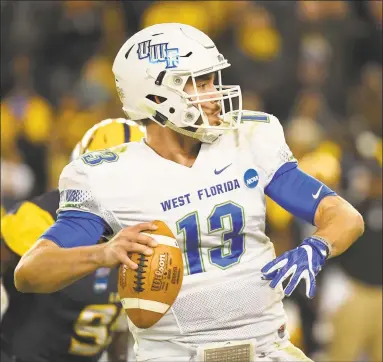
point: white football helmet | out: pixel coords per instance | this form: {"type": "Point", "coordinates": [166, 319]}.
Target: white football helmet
{"type": "Point", "coordinates": [158, 61]}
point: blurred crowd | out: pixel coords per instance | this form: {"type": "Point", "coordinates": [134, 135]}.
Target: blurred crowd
{"type": "Point", "coordinates": [316, 65]}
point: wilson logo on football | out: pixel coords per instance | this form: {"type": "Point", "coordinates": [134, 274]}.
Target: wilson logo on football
{"type": "Point", "coordinates": [159, 273]}
{"type": "Point", "coordinates": [123, 276]}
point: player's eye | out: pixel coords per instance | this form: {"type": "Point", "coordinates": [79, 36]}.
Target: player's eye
{"type": "Point", "coordinates": [202, 85]}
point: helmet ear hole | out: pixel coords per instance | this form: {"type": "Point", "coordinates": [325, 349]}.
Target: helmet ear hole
{"type": "Point", "coordinates": [156, 99]}
{"type": "Point", "coordinates": [171, 110]}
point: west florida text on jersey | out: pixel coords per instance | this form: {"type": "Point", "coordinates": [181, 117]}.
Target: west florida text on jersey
{"type": "Point", "coordinates": [207, 192]}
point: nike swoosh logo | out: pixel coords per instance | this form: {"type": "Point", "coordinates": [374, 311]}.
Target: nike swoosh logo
{"type": "Point", "coordinates": [217, 172]}
{"type": "Point", "coordinates": [318, 192]}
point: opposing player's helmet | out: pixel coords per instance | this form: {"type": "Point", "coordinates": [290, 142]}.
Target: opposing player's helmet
{"type": "Point", "coordinates": [158, 61]}
{"type": "Point", "coordinates": [107, 133]}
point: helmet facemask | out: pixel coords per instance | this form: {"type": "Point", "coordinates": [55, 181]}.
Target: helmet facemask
{"type": "Point", "coordinates": [183, 112]}
{"type": "Point", "coordinates": [227, 97]}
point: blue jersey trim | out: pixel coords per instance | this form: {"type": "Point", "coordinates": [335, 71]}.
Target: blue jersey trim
{"type": "Point", "coordinates": [76, 228]}
{"type": "Point", "coordinates": [297, 192]}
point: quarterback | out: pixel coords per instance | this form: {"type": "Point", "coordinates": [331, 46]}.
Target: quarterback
{"type": "Point", "coordinates": [81, 321]}
{"type": "Point", "coordinates": [204, 169]}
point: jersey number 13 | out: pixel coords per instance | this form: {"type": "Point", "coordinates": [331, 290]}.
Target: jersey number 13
{"type": "Point", "coordinates": [232, 239]}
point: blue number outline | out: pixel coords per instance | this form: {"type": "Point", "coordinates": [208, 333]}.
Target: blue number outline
{"type": "Point", "coordinates": [225, 232]}
{"type": "Point", "coordinates": [183, 231]}
{"type": "Point", "coordinates": [196, 224]}
{"type": "Point", "coordinates": [98, 157]}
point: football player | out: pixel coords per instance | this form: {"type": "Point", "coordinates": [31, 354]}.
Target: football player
{"type": "Point", "coordinates": [80, 321]}
{"type": "Point", "coordinates": [204, 168]}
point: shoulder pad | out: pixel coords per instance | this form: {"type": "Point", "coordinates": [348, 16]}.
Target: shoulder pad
{"type": "Point", "coordinates": [120, 148]}
{"type": "Point", "coordinates": [48, 202]}
{"type": "Point", "coordinates": [21, 229]}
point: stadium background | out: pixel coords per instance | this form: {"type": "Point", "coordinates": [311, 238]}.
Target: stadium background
{"type": "Point", "coordinates": [316, 65]}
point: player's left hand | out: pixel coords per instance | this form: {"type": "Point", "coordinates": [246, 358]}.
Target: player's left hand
{"type": "Point", "coordinates": [303, 262]}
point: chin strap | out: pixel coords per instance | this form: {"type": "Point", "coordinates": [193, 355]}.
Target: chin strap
{"type": "Point", "coordinates": [204, 135]}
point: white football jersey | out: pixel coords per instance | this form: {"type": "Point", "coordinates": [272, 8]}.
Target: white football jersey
{"type": "Point", "coordinates": [216, 209]}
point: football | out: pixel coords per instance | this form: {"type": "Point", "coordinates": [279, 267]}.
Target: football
{"type": "Point", "coordinates": [148, 292]}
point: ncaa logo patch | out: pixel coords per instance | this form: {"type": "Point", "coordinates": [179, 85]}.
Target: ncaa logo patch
{"type": "Point", "coordinates": [251, 178]}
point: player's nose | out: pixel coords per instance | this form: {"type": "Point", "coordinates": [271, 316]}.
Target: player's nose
{"type": "Point", "coordinates": [212, 90]}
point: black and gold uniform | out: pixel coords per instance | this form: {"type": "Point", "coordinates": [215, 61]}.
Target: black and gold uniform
{"type": "Point", "coordinates": [75, 324]}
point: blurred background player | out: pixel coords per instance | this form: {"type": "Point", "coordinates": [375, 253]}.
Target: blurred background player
{"type": "Point", "coordinates": [81, 321]}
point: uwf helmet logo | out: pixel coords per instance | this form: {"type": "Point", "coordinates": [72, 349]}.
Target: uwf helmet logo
{"type": "Point", "coordinates": [158, 53]}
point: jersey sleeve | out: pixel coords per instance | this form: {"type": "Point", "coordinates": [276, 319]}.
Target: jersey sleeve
{"type": "Point", "coordinates": [22, 227]}
{"type": "Point", "coordinates": [76, 190]}
{"type": "Point", "coordinates": [77, 194]}
{"type": "Point", "coordinates": [269, 145]}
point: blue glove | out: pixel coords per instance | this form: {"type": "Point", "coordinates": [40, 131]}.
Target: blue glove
{"type": "Point", "coordinates": [303, 262]}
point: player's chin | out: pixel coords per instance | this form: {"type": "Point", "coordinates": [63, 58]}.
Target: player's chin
{"type": "Point", "coordinates": [215, 120]}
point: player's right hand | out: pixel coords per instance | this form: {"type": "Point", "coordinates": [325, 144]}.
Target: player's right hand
{"type": "Point", "coordinates": [128, 240]}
